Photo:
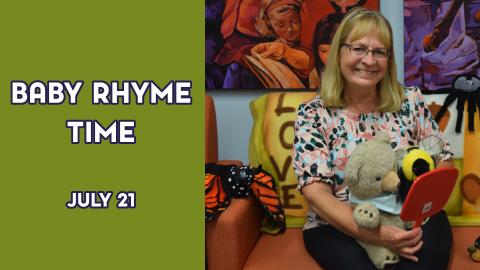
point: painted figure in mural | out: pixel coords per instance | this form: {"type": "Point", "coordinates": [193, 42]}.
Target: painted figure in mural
{"type": "Point", "coordinates": [214, 74]}
{"type": "Point", "coordinates": [237, 30]}
{"type": "Point", "coordinates": [360, 96]}
{"type": "Point", "coordinates": [323, 34]}
{"type": "Point", "coordinates": [343, 6]}
{"type": "Point", "coordinates": [279, 21]}
{"type": "Point", "coordinates": [275, 36]}
{"type": "Point", "coordinates": [231, 26]}
{"type": "Point", "coordinates": [322, 38]}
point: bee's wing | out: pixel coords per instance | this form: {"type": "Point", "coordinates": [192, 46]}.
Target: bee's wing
{"type": "Point", "coordinates": [433, 145]}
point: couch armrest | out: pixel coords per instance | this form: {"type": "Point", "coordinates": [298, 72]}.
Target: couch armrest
{"type": "Point", "coordinates": [232, 236]}
{"type": "Point", "coordinates": [230, 162]}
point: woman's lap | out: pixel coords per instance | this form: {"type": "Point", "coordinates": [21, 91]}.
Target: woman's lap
{"type": "Point", "coordinates": [334, 250]}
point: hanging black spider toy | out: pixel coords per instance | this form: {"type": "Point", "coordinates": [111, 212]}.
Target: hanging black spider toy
{"type": "Point", "coordinates": [464, 88]}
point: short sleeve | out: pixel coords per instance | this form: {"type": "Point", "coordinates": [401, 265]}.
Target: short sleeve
{"type": "Point", "coordinates": [311, 155]}
{"type": "Point", "coordinates": [426, 125]}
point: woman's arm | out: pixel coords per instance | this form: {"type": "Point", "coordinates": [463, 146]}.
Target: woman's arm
{"type": "Point", "coordinates": [340, 215]}
{"type": "Point", "coordinates": [297, 59]}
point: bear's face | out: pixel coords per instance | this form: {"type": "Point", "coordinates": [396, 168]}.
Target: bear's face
{"type": "Point", "coordinates": [371, 169]}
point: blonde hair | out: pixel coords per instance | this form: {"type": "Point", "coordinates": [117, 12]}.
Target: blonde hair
{"type": "Point", "coordinates": [356, 24]}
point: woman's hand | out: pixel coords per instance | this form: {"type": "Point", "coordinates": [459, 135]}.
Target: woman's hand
{"type": "Point", "coordinates": [405, 243]}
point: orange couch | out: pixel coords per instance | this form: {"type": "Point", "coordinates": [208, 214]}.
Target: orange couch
{"type": "Point", "coordinates": [234, 240]}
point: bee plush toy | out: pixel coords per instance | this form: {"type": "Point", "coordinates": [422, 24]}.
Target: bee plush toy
{"type": "Point", "coordinates": [413, 163]}
{"type": "Point", "coordinates": [475, 250]}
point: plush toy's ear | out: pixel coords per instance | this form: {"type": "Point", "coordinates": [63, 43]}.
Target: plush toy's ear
{"type": "Point", "coordinates": [383, 137]}
{"type": "Point", "coordinates": [355, 162]}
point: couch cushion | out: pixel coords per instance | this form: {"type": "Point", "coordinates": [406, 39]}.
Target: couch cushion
{"type": "Point", "coordinates": [285, 251]}
{"type": "Point", "coordinates": [271, 145]}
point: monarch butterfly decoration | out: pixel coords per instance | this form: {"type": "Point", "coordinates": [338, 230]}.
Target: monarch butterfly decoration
{"type": "Point", "coordinates": [224, 182]}
{"type": "Point", "coordinates": [216, 199]}
{"type": "Point", "coordinates": [265, 189]}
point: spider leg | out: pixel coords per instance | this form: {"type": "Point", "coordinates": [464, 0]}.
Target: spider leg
{"type": "Point", "coordinates": [471, 110]}
{"type": "Point", "coordinates": [478, 101]}
{"type": "Point", "coordinates": [448, 100]}
{"type": "Point", "coordinates": [460, 103]}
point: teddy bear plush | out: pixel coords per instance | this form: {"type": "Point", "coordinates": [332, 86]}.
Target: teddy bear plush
{"type": "Point", "coordinates": [371, 175]}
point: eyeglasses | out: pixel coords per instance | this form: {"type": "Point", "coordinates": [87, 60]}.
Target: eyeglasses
{"type": "Point", "coordinates": [361, 51]}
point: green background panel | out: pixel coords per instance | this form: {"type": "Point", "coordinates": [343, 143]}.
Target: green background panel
{"type": "Point", "coordinates": [39, 167]}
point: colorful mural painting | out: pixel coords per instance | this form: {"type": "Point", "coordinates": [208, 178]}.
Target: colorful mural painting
{"type": "Point", "coordinates": [270, 44]}
{"type": "Point", "coordinates": [442, 57]}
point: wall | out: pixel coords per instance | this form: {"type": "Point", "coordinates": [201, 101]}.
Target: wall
{"type": "Point", "coordinates": [232, 106]}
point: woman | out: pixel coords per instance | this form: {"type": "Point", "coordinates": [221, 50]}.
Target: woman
{"type": "Point", "coordinates": [359, 96]}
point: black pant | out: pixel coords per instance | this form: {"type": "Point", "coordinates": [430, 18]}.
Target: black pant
{"type": "Point", "coordinates": [334, 250]}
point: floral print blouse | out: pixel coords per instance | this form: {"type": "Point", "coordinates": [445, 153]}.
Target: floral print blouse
{"type": "Point", "coordinates": [325, 137]}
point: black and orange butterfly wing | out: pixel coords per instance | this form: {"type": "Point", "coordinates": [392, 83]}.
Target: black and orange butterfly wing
{"type": "Point", "coordinates": [216, 197]}
{"type": "Point", "coordinates": [265, 190]}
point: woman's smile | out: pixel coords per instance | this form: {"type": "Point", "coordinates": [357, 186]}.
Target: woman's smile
{"type": "Point", "coordinates": [366, 72]}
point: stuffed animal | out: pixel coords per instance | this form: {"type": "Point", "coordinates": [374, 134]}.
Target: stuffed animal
{"type": "Point", "coordinates": [465, 88]}
{"type": "Point", "coordinates": [371, 175]}
{"type": "Point", "coordinates": [412, 162]}
{"type": "Point", "coordinates": [475, 250]}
